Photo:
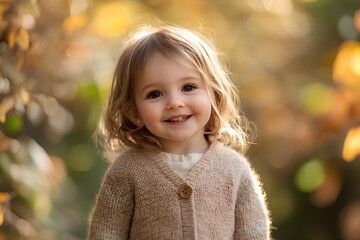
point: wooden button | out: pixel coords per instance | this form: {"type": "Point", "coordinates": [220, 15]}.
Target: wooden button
{"type": "Point", "coordinates": [185, 191]}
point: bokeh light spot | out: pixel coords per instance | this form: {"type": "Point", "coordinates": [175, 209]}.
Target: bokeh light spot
{"type": "Point", "coordinates": [279, 7]}
{"type": "Point", "coordinates": [74, 22]}
{"type": "Point", "coordinates": [327, 193]}
{"type": "Point", "coordinates": [316, 98]}
{"type": "Point", "coordinates": [4, 86]}
{"type": "Point", "coordinates": [310, 175]}
{"type": "Point", "coordinates": [352, 144]}
{"type": "Point", "coordinates": [297, 24]}
{"type": "Point", "coordinates": [346, 69]}
{"type": "Point", "coordinates": [42, 205]}
{"type": "Point", "coordinates": [28, 21]}
{"type": "Point", "coordinates": [356, 62]}
{"type": "Point", "coordinates": [357, 19]}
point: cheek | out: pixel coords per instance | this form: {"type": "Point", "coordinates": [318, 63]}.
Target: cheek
{"type": "Point", "coordinates": [149, 114]}
{"type": "Point", "coordinates": [202, 105]}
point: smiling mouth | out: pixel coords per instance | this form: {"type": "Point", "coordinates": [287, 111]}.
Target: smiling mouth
{"type": "Point", "coordinates": [178, 119]}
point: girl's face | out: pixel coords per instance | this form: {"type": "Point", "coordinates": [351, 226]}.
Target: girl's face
{"type": "Point", "coordinates": [173, 103]}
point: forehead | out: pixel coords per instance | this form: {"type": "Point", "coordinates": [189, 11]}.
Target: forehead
{"type": "Point", "coordinates": [159, 67]}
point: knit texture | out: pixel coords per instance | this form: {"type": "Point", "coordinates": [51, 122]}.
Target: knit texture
{"type": "Point", "coordinates": [139, 199]}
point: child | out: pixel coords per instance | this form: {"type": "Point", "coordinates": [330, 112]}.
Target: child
{"type": "Point", "coordinates": [171, 104]}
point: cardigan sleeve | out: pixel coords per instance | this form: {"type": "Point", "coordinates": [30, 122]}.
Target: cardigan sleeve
{"type": "Point", "coordinates": [251, 216]}
{"type": "Point", "coordinates": [112, 215]}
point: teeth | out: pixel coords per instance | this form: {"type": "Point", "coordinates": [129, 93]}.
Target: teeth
{"type": "Point", "coordinates": [178, 119]}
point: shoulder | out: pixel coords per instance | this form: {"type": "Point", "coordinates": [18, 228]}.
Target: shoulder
{"type": "Point", "coordinates": [128, 156]}
{"type": "Point", "coordinates": [127, 162]}
{"type": "Point", "coordinates": [235, 163]}
{"type": "Point", "coordinates": [242, 169]}
{"type": "Point", "coordinates": [231, 156]}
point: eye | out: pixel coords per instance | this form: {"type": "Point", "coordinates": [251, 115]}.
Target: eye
{"type": "Point", "coordinates": [188, 88]}
{"type": "Point", "coordinates": [154, 94]}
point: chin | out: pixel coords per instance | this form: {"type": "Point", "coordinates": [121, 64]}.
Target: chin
{"type": "Point", "coordinates": [178, 138]}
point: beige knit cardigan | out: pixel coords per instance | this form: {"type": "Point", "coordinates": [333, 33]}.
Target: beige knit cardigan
{"type": "Point", "coordinates": [141, 197]}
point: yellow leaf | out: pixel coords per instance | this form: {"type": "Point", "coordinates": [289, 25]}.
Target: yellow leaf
{"type": "Point", "coordinates": [22, 39]}
{"type": "Point", "coordinates": [21, 60]}
{"type": "Point", "coordinates": [352, 144]}
{"type": "Point", "coordinates": [6, 105]}
{"type": "Point", "coordinates": [346, 68]}
{"type": "Point", "coordinates": [12, 38]}
{"type": "Point", "coordinates": [4, 197]}
{"type": "Point", "coordinates": [1, 216]}
{"type": "Point", "coordinates": [24, 96]}
{"type": "Point", "coordinates": [2, 117]}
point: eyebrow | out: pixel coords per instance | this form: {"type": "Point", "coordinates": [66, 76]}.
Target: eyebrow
{"type": "Point", "coordinates": [180, 79]}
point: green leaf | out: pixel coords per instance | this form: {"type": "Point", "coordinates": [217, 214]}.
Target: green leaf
{"type": "Point", "coordinates": [13, 124]}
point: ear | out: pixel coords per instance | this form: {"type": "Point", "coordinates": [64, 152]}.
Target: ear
{"type": "Point", "coordinates": [133, 115]}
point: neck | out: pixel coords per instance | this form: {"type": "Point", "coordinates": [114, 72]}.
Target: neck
{"type": "Point", "coordinates": [176, 147]}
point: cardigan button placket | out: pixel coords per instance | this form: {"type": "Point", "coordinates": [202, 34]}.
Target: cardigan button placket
{"type": "Point", "coordinates": [185, 190]}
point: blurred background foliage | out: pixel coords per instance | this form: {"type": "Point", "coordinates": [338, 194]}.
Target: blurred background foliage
{"type": "Point", "coordinates": [297, 66]}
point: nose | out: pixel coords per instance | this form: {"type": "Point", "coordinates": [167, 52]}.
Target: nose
{"type": "Point", "coordinates": [174, 102]}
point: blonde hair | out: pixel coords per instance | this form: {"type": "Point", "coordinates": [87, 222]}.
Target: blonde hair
{"type": "Point", "coordinates": [226, 124]}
